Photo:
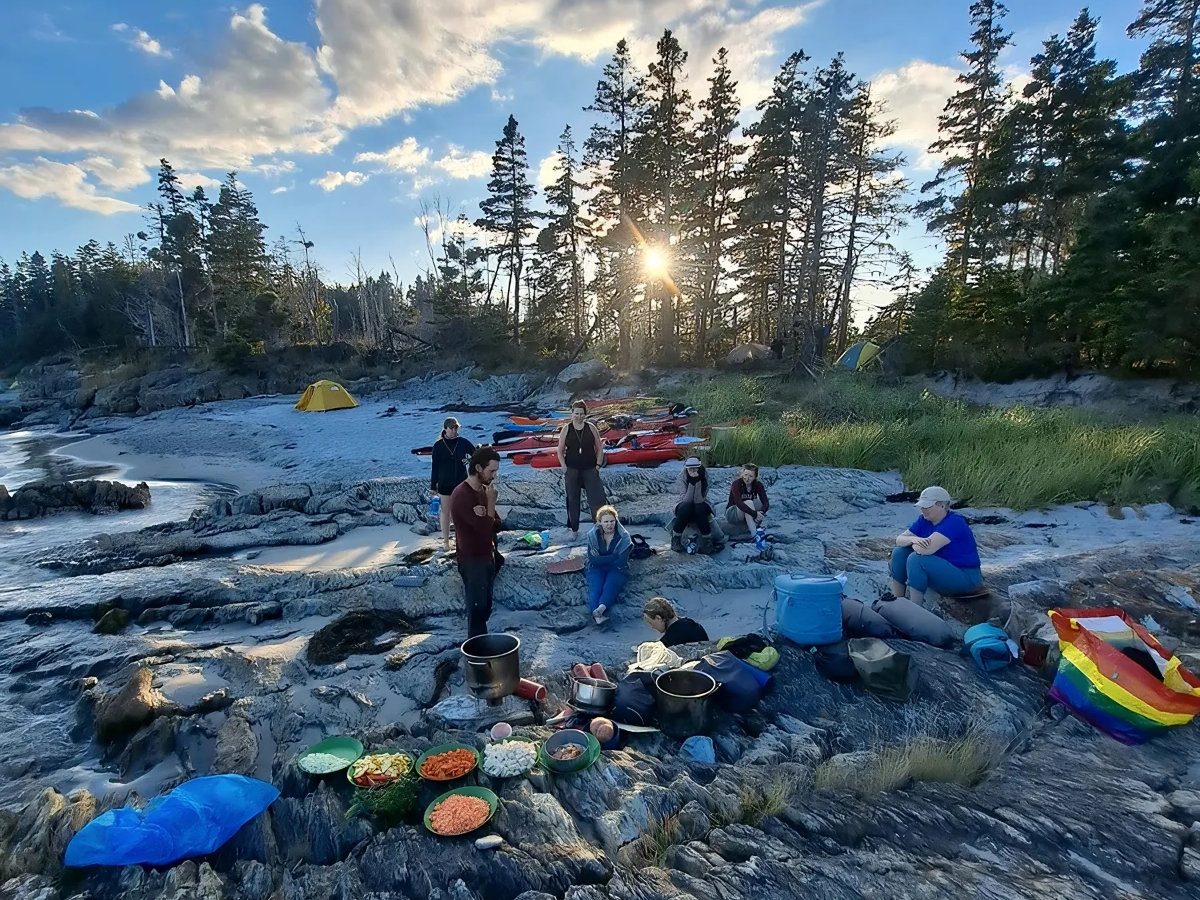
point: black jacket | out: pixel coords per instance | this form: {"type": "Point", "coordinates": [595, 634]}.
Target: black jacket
{"type": "Point", "coordinates": [450, 464]}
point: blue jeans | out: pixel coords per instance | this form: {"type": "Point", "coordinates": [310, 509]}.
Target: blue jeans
{"type": "Point", "coordinates": [923, 572]}
{"type": "Point", "coordinates": [604, 586]}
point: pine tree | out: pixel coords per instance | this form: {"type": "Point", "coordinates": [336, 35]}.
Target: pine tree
{"type": "Point", "coordinates": [609, 155]}
{"type": "Point", "coordinates": [964, 127]}
{"type": "Point", "coordinates": [237, 252]}
{"type": "Point", "coordinates": [508, 211]}
{"type": "Point", "coordinates": [770, 205]}
{"type": "Point", "coordinates": [664, 152]}
{"type": "Point", "coordinates": [561, 245]}
{"type": "Point", "coordinates": [714, 182]}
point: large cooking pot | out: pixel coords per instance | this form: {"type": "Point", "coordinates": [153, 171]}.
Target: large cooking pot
{"type": "Point", "coordinates": [593, 695]}
{"type": "Point", "coordinates": [492, 665]}
{"type": "Point", "coordinates": [683, 700]}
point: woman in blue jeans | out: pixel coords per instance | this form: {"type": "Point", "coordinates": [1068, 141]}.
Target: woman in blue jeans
{"type": "Point", "coordinates": [608, 548]}
{"type": "Point", "coordinates": [937, 551]}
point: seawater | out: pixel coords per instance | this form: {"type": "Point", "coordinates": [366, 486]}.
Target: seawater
{"type": "Point", "coordinates": [27, 456]}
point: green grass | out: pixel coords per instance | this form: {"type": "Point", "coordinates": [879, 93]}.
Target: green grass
{"type": "Point", "coordinates": [1021, 458]}
{"type": "Point", "coordinates": [655, 841]}
{"type": "Point", "coordinates": [963, 761]}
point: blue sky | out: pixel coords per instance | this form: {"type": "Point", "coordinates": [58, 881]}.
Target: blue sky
{"type": "Point", "coordinates": [342, 115]}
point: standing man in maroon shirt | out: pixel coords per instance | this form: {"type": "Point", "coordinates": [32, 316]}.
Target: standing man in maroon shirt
{"type": "Point", "coordinates": [473, 509]}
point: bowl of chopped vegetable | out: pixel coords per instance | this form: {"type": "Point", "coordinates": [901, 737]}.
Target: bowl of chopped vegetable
{"type": "Point", "coordinates": [461, 811]}
{"type": "Point", "coordinates": [509, 757]}
{"type": "Point", "coordinates": [447, 762]}
{"type": "Point", "coordinates": [379, 768]}
{"type": "Point", "coordinates": [330, 755]}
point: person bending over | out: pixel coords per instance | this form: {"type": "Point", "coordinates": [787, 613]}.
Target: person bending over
{"type": "Point", "coordinates": [473, 509]}
{"type": "Point", "coordinates": [937, 551]}
{"type": "Point", "coordinates": [581, 454]}
{"type": "Point", "coordinates": [607, 570]}
{"type": "Point", "coordinates": [450, 456]}
{"type": "Point", "coordinates": [659, 613]}
{"type": "Point", "coordinates": [692, 507]}
{"type": "Point", "coordinates": [748, 503]}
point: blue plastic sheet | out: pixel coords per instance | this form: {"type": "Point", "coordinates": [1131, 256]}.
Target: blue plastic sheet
{"type": "Point", "coordinates": [194, 819]}
{"type": "Point", "coordinates": [700, 748]}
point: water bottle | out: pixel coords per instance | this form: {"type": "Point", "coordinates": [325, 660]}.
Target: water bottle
{"type": "Point", "coordinates": [760, 538]}
{"type": "Point", "coordinates": [545, 539]}
{"type": "Point", "coordinates": [691, 547]}
{"type": "Point", "coordinates": [435, 505]}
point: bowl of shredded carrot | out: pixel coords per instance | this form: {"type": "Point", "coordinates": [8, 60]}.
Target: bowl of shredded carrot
{"type": "Point", "coordinates": [447, 762]}
{"type": "Point", "coordinates": [461, 811]}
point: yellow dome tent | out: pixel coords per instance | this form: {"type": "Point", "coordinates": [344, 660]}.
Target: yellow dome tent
{"type": "Point", "coordinates": [322, 396]}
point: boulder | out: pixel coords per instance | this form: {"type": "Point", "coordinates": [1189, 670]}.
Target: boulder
{"type": "Point", "coordinates": [39, 836]}
{"type": "Point", "coordinates": [587, 375]}
{"type": "Point", "coordinates": [112, 622]}
{"type": "Point", "coordinates": [43, 498]}
{"type": "Point", "coordinates": [129, 709]}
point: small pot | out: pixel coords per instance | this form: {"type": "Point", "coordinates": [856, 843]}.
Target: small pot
{"type": "Point", "coordinates": [492, 665]}
{"type": "Point", "coordinates": [593, 694]}
{"type": "Point", "coordinates": [683, 702]}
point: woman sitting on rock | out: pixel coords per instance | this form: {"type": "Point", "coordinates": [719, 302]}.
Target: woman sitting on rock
{"type": "Point", "coordinates": [748, 503]}
{"type": "Point", "coordinates": [692, 507]}
{"type": "Point", "coordinates": [608, 547]}
{"type": "Point", "coordinates": [659, 613]}
{"type": "Point", "coordinates": [937, 551]}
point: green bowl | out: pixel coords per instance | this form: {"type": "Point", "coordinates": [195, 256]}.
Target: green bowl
{"type": "Point", "coordinates": [569, 767]}
{"type": "Point", "coordinates": [446, 748]}
{"type": "Point", "coordinates": [345, 748]}
{"type": "Point", "coordinates": [509, 740]}
{"type": "Point", "coordinates": [493, 803]}
{"type": "Point", "coordinates": [411, 772]}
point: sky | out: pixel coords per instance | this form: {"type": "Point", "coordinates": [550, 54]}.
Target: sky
{"type": "Point", "coordinates": [342, 116]}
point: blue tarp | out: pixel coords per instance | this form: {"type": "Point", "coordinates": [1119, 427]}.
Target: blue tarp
{"type": "Point", "coordinates": [194, 819]}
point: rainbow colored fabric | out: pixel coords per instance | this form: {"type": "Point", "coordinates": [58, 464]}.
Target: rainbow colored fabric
{"type": "Point", "coordinates": [1107, 689]}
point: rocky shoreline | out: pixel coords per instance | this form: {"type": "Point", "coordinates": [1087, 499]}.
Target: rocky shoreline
{"type": "Point", "coordinates": [216, 672]}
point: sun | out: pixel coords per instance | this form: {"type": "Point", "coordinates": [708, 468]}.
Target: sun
{"type": "Point", "coordinates": [655, 261]}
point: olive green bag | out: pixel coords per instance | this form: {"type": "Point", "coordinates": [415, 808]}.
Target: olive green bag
{"type": "Point", "coordinates": [883, 670]}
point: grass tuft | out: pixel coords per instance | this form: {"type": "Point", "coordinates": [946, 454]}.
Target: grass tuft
{"type": "Point", "coordinates": [655, 841]}
{"type": "Point", "coordinates": [1019, 458]}
{"type": "Point", "coordinates": [963, 761]}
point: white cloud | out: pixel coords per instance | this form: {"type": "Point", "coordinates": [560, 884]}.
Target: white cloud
{"type": "Point", "coordinates": [120, 176]}
{"type": "Point", "coordinates": [279, 190]}
{"type": "Point", "coordinates": [548, 170]}
{"type": "Point", "coordinates": [407, 156]}
{"type": "Point", "coordinates": [67, 183]}
{"type": "Point", "coordinates": [189, 181]}
{"type": "Point", "coordinates": [461, 164]}
{"type": "Point", "coordinates": [410, 158]}
{"type": "Point", "coordinates": [502, 97]}
{"type": "Point", "coordinates": [331, 181]}
{"type": "Point", "coordinates": [262, 97]}
{"type": "Point", "coordinates": [915, 95]}
{"type": "Point", "coordinates": [141, 40]}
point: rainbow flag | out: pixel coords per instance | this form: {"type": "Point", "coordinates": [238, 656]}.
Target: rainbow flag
{"type": "Point", "coordinates": [1110, 691]}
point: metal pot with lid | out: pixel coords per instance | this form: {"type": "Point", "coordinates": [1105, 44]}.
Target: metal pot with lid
{"type": "Point", "coordinates": [492, 665]}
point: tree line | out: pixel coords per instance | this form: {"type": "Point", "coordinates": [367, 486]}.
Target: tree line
{"type": "Point", "coordinates": [1069, 211]}
{"type": "Point", "coordinates": [680, 227]}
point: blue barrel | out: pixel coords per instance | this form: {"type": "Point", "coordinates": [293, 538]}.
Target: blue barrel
{"type": "Point", "coordinates": [808, 608]}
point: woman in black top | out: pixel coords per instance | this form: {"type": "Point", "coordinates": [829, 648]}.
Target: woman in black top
{"type": "Point", "coordinates": [450, 455]}
{"type": "Point", "coordinates": [581, 454]}
{"type": "Point", "coordinates": [659, 613]}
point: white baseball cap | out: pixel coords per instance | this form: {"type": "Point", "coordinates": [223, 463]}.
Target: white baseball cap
{"type": "Point", "coordinates": [932, 495]}
{"type": "Point", "coordinates": [690, 462]}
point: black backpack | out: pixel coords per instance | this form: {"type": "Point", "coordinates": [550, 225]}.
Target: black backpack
{"type": "Point", "coordinates": [634, 703]}
{"type": "Point", "coordinates": [641, 547]}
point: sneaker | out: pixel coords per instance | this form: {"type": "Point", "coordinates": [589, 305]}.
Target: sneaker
{"type": "Point", "coordinates": [600, 614]}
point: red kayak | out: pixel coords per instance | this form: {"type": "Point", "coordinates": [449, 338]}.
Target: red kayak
{"type": "Point", "coordinates": [615, 457]}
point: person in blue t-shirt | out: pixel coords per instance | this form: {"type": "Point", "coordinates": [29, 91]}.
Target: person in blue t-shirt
{"type": "Point", "coordinates": [937, 551]}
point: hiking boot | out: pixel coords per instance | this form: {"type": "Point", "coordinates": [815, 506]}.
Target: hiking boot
{"type": "Point", "coordinates": [705, 545]}
{"type": "Point", "coordinates": [677, 541]}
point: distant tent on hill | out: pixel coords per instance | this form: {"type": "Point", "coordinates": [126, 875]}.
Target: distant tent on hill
{"type": "Point", "coordinates": [322, 396]}
{"type": "Point", "coordinates": [744, 353]}
{"type": "Point", "coordinates": [859, 356]}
